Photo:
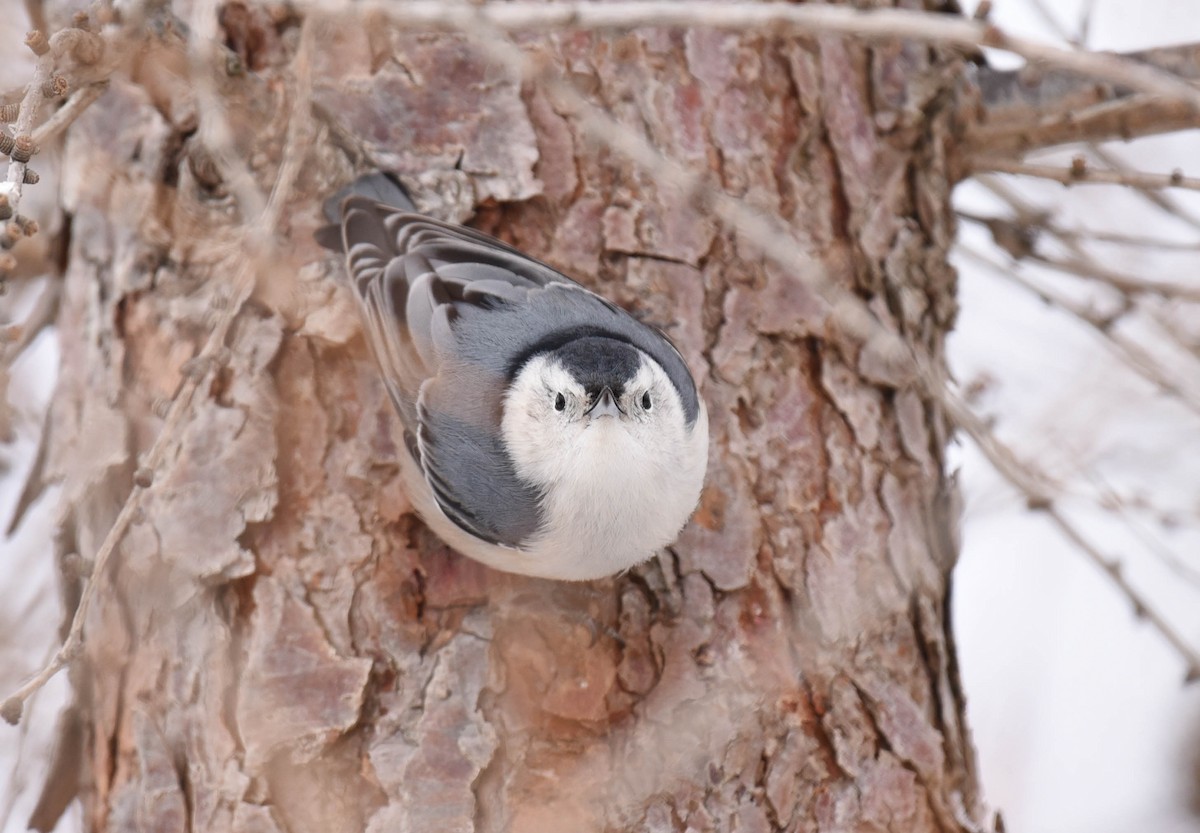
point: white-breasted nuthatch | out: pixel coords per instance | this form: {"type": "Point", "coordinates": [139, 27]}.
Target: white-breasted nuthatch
{"type": "Point", "coordinates": [548, 432]}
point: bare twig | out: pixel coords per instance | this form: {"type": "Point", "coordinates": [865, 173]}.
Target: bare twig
{"type": "Point", "coordinates": [1109, 500]}
{"type": "Point", "coordinates": [1157, 197]}
{"type": "Point", "coordinates": [1020, 242]}
{"type": "Point", "coordinates": [1142, 608]}
{"type": "Point", "coordinates": [1139, 241]}
{"type": "Point", "coordinates": [1079, 173]}
{"type": "Point", "coordinates": [1026, 109]}
{"type": "Point", "coordinates": [15, 338]}
{"type": "Point", "coordinates": [1136, 357]}
{"type": "Point", "coordinates": [1052, 22]}
{"type": "Point", "coordinates": [31, 104]}
{"type": "Point", "coordinates": [1126, 284]}
{"type": "Point", "coordinates": [79, 101]}
{"type": "Point", "coordinates": [1075, 237]}
{"type": "Point", "coordinates": [1038, 491]}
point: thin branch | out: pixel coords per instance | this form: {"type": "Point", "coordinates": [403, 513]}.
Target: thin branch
{"type": "Point", "coordinates": [299, 129]}
{"type": "Point", "coordinates": [1026, 109]}
{"type": "Point", "coordinates": [1188, 342]}
{"type": "Point", "coordinates": [1136, 241]}
{"type": "Point", "coordinates": [1132, 354]}
{"type": "Point", "coordinates": [1052, 22]}
{"type": "Point", "coordinates": [1012, 226]}
{"type": "Point", "coordinates": [1142, 608]}
{"type": "Point", "coordinates": [1160, 199]}
{"type": "Point", "coordinates": [778, 18]}
{"type": "Point", "coordinates": [15, 338]}
{"type": "Point", "coordinates": [79, 101]}
{"type": "Point", "coordinates": [1125, 284]}
{"type": "Point", "coordinates": [1037, 490]}
{"type": "Point", "coordinates": [1082, 174]}
{"type": "Point", "coordinates": [1110, 500]}
{"type": "Point", "coordinates": [31, 103]}
{"type": "Point", "coordinates": [1018, 238]}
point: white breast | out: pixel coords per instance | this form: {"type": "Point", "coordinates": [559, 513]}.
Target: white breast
{"type": "Point", "coordinates": [612, 508]}
{"type": "Point", "coordinates": [616, 504]}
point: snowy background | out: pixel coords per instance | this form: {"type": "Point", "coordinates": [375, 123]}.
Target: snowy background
{"type": "Point", "coordinates": [1079, 712]}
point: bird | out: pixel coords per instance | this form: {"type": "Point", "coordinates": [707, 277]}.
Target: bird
{"type": "Point", "coordinates": [547, 432]}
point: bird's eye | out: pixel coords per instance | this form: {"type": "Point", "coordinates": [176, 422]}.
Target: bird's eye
{"type": "Point", "coordinates": [560, 402]}
{"type": "Point", "coordinates": [646, 401]}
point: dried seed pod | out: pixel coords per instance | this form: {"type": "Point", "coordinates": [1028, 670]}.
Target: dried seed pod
{"type": "Point", "coordinates": [7, 143]}
{"type": "Point", "coordinates": [23, 149]}
{"type": "Point", "coordinates": [36, 40]}
{"type": "Point", "coordinates": [32, 177]}
{"type": "Point", "coordinates": [9, 113]}
{"type": "Point", "coordinates": [28, 226]}
{"type": "Point", "coordinates": [80, 20]}
{"type": "Point", "coordinates": [6, 210]}
{"type": "Point", "coordinates": [55, 87]}
{"type": "Point", "coordinates": [143, 477]}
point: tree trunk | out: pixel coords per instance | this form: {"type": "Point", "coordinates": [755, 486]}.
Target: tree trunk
{"type": "Point", "coordinates": [280, 644]}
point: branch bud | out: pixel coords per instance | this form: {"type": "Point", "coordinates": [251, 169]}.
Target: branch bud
{"type": "Point", "coordinates": [23, 149]}
{"type": "Point", "coordinates": [36, 40]}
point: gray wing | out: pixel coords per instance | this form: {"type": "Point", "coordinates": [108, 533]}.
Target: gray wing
{"type": "Point", "coordinates": [451, 314]}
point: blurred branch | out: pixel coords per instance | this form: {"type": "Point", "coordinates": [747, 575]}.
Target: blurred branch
{"type": "Point", "coordinates": [1026, 110]}
{"type": "Point", "coordinates": [1160, 199]}
{"type": "Point", "coordinates": [1125, 284]}
{"type": "Point", "coordinates": [1018, 237]}
{"type": "Point", "coordinates": [1136, 357]}
{"type": "Point", "coordinates": [1036, 487]}
{"type": "Point", "coordinates": [1021, 228]}
{"type": "Point", "coordinates": [1080, 173]}
{"type": "Point", "coordinates": [1140, 74]}
{"type": "Point", "coordinates": [65, 115]}
{"type": "Point", "coordinates": [83, 50]}
{"type": "Point", "coordinates": [1110, 500]}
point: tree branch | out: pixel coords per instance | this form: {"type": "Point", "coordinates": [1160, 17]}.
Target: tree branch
{"type": "Point", "coordinates": [1080, 173]}
{"type": "Point", "coordinates": [1026, 110]}
{"type": "Point", "coordinates": [1137, 74]}
{"type": "Point", "coordinates": [1037, 489]}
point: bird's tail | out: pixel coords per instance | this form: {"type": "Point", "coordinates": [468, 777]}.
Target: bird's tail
{"type": "Point", "coordinates": [377, 186]}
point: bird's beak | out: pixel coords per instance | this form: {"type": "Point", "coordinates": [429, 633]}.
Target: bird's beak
{"type": "Point", "coordinates": [605, 404]}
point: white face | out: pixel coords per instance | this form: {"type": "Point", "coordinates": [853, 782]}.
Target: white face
{"type": "Point", "coordinates": [552, 431]}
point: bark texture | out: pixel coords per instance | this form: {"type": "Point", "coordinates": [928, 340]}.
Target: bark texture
{"type": "Point", "coordinates": [282, 646]}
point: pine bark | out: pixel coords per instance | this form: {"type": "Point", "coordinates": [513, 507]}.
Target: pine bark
{"type": "Point", "coordinates": [280, 645]}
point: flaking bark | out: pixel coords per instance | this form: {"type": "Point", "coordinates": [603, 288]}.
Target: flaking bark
{"type": "Point", "coordinates": [282, 646]}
